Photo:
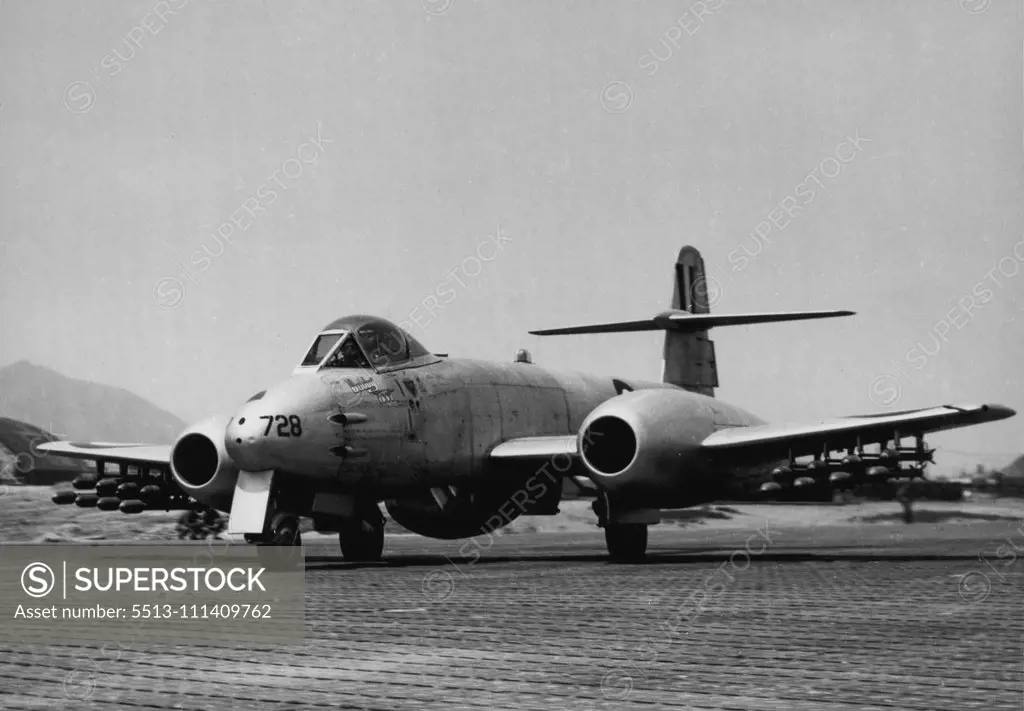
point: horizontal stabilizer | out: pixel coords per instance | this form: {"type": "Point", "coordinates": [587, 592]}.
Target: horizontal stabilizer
{"type": "Point", "coordinates": [686, 322]}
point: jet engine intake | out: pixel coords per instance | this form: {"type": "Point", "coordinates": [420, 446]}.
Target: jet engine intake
{"type": "Point", "coordinates": [609, 445]}
{"type": "Point", "coordinates": [201, 465]}
{"type": "Point", "coordinates": [195, 459]}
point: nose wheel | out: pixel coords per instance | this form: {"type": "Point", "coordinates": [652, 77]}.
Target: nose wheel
{"type": "Point", "coordinates": [282, 531]}
{"type": "Point", "coordinates": [281, 542]}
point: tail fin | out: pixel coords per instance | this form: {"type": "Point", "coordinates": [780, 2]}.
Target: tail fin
{"type": "Point", "coordinates": [689, 353]}
{"type": "Point", "coordinates": [689, 356]}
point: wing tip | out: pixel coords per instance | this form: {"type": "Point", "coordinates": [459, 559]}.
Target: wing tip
{"type": "Point", "coordinates": [998, 412]}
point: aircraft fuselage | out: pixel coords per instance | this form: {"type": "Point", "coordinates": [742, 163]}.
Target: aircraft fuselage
{"type": "Point", "coordinates": [429, 425]}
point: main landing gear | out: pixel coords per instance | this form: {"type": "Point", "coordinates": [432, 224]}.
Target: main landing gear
{"type": "Point", "coordinates": [626, 542]}
{"type": "Point", "coordinates": [362, 536]}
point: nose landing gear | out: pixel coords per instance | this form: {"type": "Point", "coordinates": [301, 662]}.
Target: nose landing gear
{"type": "Point", "coordinates": [284, 531]}
{"type": "Point", "coordinates": [358, 522]}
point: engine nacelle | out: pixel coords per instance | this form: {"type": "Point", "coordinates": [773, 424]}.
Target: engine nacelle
{"type": "Point", "coordinates": [646, 443]}
{"type": "Point", "coordinates": [201, 466]}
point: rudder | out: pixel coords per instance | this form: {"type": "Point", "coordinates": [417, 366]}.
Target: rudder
{"type": "Point", "coordinates": [689, 358]}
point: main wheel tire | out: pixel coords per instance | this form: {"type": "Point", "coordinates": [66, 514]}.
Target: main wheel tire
{"type": "Point", "coordinates": [362, 542]}
{"type": "Point", "coordinates": [627, 542]}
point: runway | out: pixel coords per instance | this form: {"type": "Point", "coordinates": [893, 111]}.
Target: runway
{"type": "Point", "coordinates": [871, 617]}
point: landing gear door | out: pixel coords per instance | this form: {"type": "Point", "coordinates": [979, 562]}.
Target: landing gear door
{"type": "Point", "coordinates": [250, 502]}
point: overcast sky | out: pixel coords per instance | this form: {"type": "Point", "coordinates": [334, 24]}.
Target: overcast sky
{"type": "Point", "coordinates": [355, 154]}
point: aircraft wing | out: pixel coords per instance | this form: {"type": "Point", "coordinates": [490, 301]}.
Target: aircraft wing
{"type": "Point", "coordinates": [153, 464]}
{"type": "Point", "coordinates": [153, 454]}
{"type": "Point", "coordinates": [547, 448]}
{"type": "Point", "coordinates": [536, 447]}
{"type": "Point", "coordinates": [778, 441]}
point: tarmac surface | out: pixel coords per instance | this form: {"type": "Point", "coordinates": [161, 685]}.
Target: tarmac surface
{"type": "Point", "coordinates": [840, 617]}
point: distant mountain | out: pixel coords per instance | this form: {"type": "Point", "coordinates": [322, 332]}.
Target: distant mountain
{"type": "Point", "coordinates": [81, 410]}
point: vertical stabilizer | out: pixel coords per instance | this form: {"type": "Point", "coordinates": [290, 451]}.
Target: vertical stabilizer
{"type": "Point", "coordinates": [690, 356]}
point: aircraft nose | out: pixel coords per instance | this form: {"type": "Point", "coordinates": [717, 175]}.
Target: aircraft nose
{"type": "Point", "coordinates": [246, 441]}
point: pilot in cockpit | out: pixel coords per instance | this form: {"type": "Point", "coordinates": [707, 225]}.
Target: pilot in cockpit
{"type": "Point", "coordinates": [348, 355]}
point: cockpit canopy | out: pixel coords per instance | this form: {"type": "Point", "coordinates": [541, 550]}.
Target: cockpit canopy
{"type": "Point", "coordinates": [362, 342]}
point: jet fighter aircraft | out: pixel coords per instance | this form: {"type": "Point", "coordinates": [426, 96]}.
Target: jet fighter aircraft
{"type": "Point", "coordinates": [457, 447]}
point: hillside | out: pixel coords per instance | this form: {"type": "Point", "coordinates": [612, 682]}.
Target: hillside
{"type": "Point", "coordinates": [1016, 469]}
{"type": "Point", "coordinates": [81, 410]}
{"type": "Point", "coordinates": [20, 463]}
